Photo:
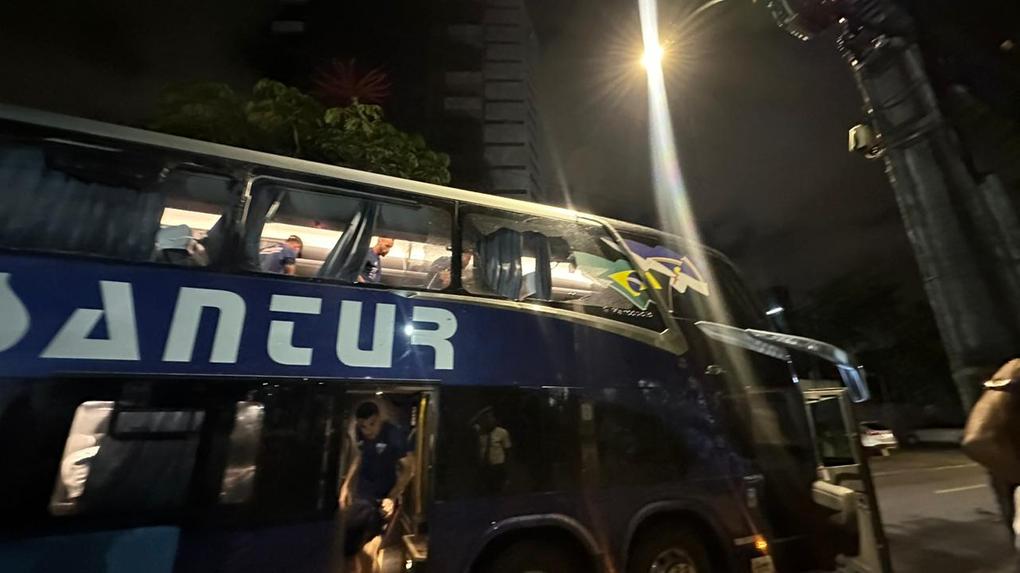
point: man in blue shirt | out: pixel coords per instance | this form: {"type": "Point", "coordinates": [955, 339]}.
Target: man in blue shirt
{"type": "Point", "coordinates": [374, 483]}
{"type": "Point", "coordinates": [281, 258]}
{"type": "Point", "coordinates": [372, 271]}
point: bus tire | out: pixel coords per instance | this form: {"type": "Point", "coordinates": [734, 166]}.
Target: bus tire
{"type": "Point", "coordinates": [532, 556]}
{"type": "Point", "coordinates": [669, 549]}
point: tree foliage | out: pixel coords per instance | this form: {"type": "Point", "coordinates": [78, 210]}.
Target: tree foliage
{"type": "Point", "coordinates": [280, 119]}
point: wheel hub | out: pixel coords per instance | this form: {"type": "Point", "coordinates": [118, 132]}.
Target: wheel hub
{"type": "Point", "coordinates": [673, 560]}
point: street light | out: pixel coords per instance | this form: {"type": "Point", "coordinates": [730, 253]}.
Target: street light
{"type": "Point", "coordinates": [774, 310]}
{"type": "Point", "coordinates": [652, 57]}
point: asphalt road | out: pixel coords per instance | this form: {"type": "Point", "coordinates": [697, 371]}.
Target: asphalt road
{"type": "Point", "coordinates": [939, 514]}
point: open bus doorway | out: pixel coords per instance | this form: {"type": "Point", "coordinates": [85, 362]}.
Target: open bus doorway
{"type": "Point", "coordinates": [385, 469]}
{"type": "Point", "coordinates": [844, 484]}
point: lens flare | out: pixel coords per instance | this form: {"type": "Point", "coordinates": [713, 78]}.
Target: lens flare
{"type": "Point", "coordinates": [670, 191]}
{"type": "Point", "coordinates": [674, 210]}
{"type": "Point", "coordinates": [652, 56]}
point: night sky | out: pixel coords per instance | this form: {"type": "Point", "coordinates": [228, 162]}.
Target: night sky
{"type": "Point", "coordinates": [761, 121]}
{"type": "Point", "coordinates": [761, 118]}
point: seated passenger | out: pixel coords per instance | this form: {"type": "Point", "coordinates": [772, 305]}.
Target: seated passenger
{"type": "Point", "coordinates": [373, 484]}
{"type": "Point", "coordinates": [281, 258]}
{"type": "Point", "coordinates": [176, 245]}
{"type": "Point", "coordinates": [439, 272]}
{"type": "Point", "coordinates": [372, 270]}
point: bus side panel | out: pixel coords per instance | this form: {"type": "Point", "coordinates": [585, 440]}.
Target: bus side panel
{"type": "Point", "coordinates": [151, 549]}
{"type": "Point", "coordinates": [110, 317]}
{"type": "Point", "coordinates": [595, 455]}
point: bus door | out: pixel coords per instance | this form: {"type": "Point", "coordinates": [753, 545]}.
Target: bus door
{"type": "Point", "coordinates": [844, 485]}
{"type": "Point", "coordinates": [412, 414]}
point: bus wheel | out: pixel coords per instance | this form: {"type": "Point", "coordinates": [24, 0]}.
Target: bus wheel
{"type": "Point", "coordinates": [532, 556]}
{"type": "Point", "coordinates": [673, 550]}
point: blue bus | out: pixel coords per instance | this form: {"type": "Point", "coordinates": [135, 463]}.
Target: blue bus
{"type": "Point", "coordinates": [191, 333]}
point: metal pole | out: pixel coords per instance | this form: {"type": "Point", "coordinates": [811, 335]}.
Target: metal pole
{"type": "Point", "coordinates": [933, 190]}
{"type": "Point", "coordinates": [967, 260]}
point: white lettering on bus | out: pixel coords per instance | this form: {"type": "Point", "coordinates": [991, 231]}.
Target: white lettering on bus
{"type": "Point", "coordinates": [15, 318]}
{"type": "Point", "coordinates": [438, 338]}
{"type": "Point", "coordinates": [72, 341]}
{"type": "Point", "coordinates": [180, 343]}
{"type": "Point", "coordinates": [380, 355]}
{"type": "Point", "coordinates": [280, 344]}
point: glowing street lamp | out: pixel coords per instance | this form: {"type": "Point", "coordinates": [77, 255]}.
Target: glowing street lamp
{"type": "Point", "coordinates": [652, 57]}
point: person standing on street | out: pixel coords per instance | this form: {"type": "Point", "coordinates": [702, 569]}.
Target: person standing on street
{"type": "Point", "coordinates": [992, 439]}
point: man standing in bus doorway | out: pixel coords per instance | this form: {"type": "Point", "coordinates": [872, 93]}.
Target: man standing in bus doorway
{"type": "Point", "coordinates": [493, 449]}
{"type": "Point", "coordinates": [372, 271]}
{"type": "Point", "coordinates": [373, 485]}
{"type": "Point", "coordinates": [281, 259]}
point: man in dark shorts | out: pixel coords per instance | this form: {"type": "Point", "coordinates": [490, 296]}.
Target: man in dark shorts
{"type": "Point", "coordinates": [374, 483]}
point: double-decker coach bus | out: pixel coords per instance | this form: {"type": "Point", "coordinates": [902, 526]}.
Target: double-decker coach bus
{"type": "Point", "coordinates": [192, 337]}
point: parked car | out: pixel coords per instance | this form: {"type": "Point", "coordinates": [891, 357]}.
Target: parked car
{"type": "Point", "coordinates": [877, 438]}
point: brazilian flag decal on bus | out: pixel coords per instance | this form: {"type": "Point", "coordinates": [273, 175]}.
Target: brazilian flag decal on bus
{"type": "Point", "coordinates": [617, 275]}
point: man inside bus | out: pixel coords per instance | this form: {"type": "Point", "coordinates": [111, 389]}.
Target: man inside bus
{"type": "Point", "coordinates": [440, 271]}
{"type": "Point", "coordinates": [372, 271]}
{"type": "Point", "coordinates": [281, 259]}
{"type": "Point", "coordinates": [373, 485]}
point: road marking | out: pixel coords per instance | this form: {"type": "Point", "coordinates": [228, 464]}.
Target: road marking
{"type": "Point", "coordinates": [964, 488]}
{"type": "Point", "coordinates": [915, 470]}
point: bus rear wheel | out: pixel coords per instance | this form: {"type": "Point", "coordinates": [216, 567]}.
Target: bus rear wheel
{"type": "Point", "coordinates": [673, 550]}
{"type": "Point", "coordinates": [532, 556]}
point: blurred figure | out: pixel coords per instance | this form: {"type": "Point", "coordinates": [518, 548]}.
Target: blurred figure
{"type": "Point", "coordinates": [493, 449]}
{"type": "Point", "coordinates": [281, 258]}
{"type": "Point", "coordinates": [373, 485]}
{"type": "Point", "coordinates": [177, 246]}
{"type": "Point", "coordinates": [992, 439]}
{"type": "Point", "coordinates": [440, 271]}
{"type": "Point", "coordinates": [372, 271]}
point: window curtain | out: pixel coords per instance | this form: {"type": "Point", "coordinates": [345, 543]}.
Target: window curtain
{"type": "Point", "coordinates": [347, 258]}
{"type": "Point", "coordinates": [45, 208]}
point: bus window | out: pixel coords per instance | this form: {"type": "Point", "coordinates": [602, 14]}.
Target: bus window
{"type": "Point", "coordinates": [508, 441]}
{"type": "Point", "coordinates": [69, 197]}
{"type": "Point", "coordinates": [193, 226]}
{"type": "Point", "coordinates": [349, 238]}
{"type": "Point", "coordinates": [133, 460]}
{"type": "Point", "coordinates": [571, 265]}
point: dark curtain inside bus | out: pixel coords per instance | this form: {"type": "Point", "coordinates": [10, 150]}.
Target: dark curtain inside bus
{"type": "Point", "coordinates": [259, 211]}
{"type": "Point", "coordinates": [77, 200]}
{"type": "Point", "coordinates": [347, 258]}
{"type": "Point", "coordinates": [499, 262]}
{"type": "Point", "coordinates": [499, 258]}
{"type": "Point", "coordinates": [538, 245]}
